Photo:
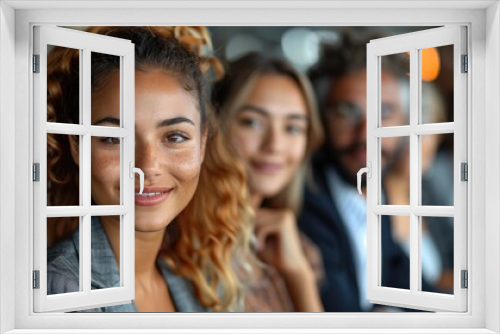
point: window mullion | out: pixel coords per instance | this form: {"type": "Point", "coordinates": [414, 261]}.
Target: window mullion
{"type": "Point", "coordinates": [420, 129]}
{"type": "Point", "coordinates": [85, 251]}
{"type": "Point", "coordinates": [414, 171]}
{"type": "Point", "coordinates": [81, 179]}
{"type": "Point", "coordinates": [434, 128]}
{"type": "Point", "coordinates": [373, 188]}
{"type": "Point", "coordinates": [123, 174]}
{"type": "Point", "coordinates": [127, 103]}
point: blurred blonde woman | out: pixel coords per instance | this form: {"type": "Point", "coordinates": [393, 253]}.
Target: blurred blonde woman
{"type": "Point", "coordinates": [192, 221]}
{"type": "Point", "coordinates": [267, 110]}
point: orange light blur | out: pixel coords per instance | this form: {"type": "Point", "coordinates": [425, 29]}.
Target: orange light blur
{"type": "Point", "coordinates": [431, 64]}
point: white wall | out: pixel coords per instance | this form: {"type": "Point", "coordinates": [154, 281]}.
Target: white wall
{"type": "Point", "coordinates": [485, 184]}
{"type": "Point", "coordinates": [7, 160]}
{"type": "Point", "coordinates": [492, 153]}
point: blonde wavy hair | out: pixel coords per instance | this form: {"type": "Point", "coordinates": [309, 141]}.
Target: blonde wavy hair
{"type": "Point", "coordinates": [212, 233]}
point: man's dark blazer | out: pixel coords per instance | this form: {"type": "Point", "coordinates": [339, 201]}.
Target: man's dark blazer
{"type": "Point", "coordinates": [321, 222]}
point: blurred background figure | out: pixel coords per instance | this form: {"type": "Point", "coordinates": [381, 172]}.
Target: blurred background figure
{"type": "Point", "coordinates": [334, 214]}
{"type": "Point", "coordinates": [303, 47]}
{"type": "Point", "coordinates": [300, 46]}
{"type": "Point", "coordinates": [268, 111]}
{"type": "Point", "coordinates": [437, 181]}
{"type": "Point", "coordinates": [437, 189]}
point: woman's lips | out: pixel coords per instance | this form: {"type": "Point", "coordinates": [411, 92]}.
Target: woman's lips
{"type": "Point", "coordinates": [151, 196]}
{"type": "Point", "coordinates": [266, 167]}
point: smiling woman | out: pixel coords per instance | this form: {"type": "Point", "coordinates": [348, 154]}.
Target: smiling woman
{"type": "Point", "coordinates": [268, 109]}
{"type": "Point", "coordinates": [191, 226]}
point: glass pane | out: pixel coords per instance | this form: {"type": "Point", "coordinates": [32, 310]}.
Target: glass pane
{"type": "Point", "coordinates": [395, 170]}
{"type": "Point", "coordinates": [395, 90]}
{"type": "Point", "coordinates": [437, 84]}
{"type": "Point", "coordinates": [437, 169]}
{"type": "Point", "coordinates": [63, 72]}
{"type": "Point", "coordinates": [106, 88]}
{"type": "Point", "coordinates": [105, 170]}
{"type": "Point", "coordinates": [397, 228]}
{"type": "Point", "coordinates": [437, 254]}
{"type": "Point", "coordinates": [105, 257]}
{"type": "Point", "coordinates": [63, 171]}
{"type": "Point", "coordinates": [62, 238]}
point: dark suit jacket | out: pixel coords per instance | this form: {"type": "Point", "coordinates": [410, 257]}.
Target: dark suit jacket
{"type": "Point", "coordinates": [321, 222]}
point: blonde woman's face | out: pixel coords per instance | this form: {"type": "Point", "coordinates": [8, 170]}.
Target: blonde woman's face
{"type": "Point", "coordinates": [169, 148]}
{"type": "Point", "coordinates": [269, 132]}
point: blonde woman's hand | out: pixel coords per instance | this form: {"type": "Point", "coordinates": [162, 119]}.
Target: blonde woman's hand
{"type": "Point", "coordinates": [278, 241]}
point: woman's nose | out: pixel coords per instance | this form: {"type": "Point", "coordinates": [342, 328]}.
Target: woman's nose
{"type": "Point", "coordinates": [146, 158]}
{"type": "Point", "coordinates": [274, 140]}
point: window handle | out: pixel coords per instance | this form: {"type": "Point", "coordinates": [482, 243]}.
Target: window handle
{"type": "Point", "coordinates": [368, 171]}
{"type": "Point", "coordinates": [133, 170]}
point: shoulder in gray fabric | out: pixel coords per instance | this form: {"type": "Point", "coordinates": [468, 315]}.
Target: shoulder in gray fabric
{"type": "Point", "coordinates": [63, 272]}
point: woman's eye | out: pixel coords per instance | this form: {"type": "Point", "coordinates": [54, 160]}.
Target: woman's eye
{"type": "Point", "coordinates": [250, 122]}
{"type": "Point", "coordinates": [110, 140]}
{"type": "Point", "coordinates": [176, 137]}
{"type": "Point", "coordinates": [295, 129]}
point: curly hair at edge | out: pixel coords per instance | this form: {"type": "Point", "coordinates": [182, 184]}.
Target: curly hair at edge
{"type": "Point", "coordinates": [212, 233]}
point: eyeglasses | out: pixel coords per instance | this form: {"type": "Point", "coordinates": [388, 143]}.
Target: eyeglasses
{"type": "Point", "coordinates": [353, 113]}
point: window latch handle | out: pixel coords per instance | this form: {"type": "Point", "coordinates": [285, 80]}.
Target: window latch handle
{"type": "Point", "coordinates": [133, 170]}
{"type": "Point", "coordinates": [368, 171]}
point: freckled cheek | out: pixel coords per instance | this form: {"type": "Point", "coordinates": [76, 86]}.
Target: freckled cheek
{"type": "Point", "coordinates": [184, 166]}
{"type": "Point", "coordinates": [105, 171]}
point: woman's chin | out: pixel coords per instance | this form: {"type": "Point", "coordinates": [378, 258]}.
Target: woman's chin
{"type": "Point", "coordinates": [143, 224]}
{"type": "Point", "coordinates": [150, 227]}
{"type": "Point", "coordinates": [268, 191]}
{"type": "Point", "coordinates": [268, 187]}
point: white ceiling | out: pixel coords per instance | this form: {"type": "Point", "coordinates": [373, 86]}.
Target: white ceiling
{"type": "Point", "coordinates": [242, 4]}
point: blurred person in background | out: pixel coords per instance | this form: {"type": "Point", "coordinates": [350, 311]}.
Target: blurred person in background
{"type": "Point", "coordinates": [437, 189]}
{"type": "Point", "coordinates": [437, 182]}
{"type": "Point", "coordinates": [268, 111]}
{"type": "Point", "coordinates": [334, 214]}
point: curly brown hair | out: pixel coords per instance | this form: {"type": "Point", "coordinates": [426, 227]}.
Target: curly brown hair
{"type": "Point", "coordinates": [212, 233]}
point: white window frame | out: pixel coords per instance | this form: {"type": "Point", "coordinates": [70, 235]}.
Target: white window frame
{"type": "Point", "coordinates": [483, 21]}
{"type": "Point", "coordinates": [413, 43]}
{"type": "Point", "coordinates": [86, 43]}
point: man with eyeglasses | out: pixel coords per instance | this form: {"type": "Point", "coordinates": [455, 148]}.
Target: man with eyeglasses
{"type": "Point", "coordinates": [334, 214]}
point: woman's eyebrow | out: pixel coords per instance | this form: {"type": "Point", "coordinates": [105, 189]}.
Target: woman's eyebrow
{"type": "Point", "coordinates": [175, 120]}
{"type": "Point", "coordinates": [111, 120]}
{"type": "Point", "coordinates": [263, 112]}
{"type": "Point", "coordinates": [256, 109]}
{"type": "Point", "coordinates": [298, 116]}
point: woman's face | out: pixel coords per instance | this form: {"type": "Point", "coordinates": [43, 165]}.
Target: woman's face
{"type": "Point", "coordinates": [169, 148]}
{"type": "Point", "coordinates": [270, 133]}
